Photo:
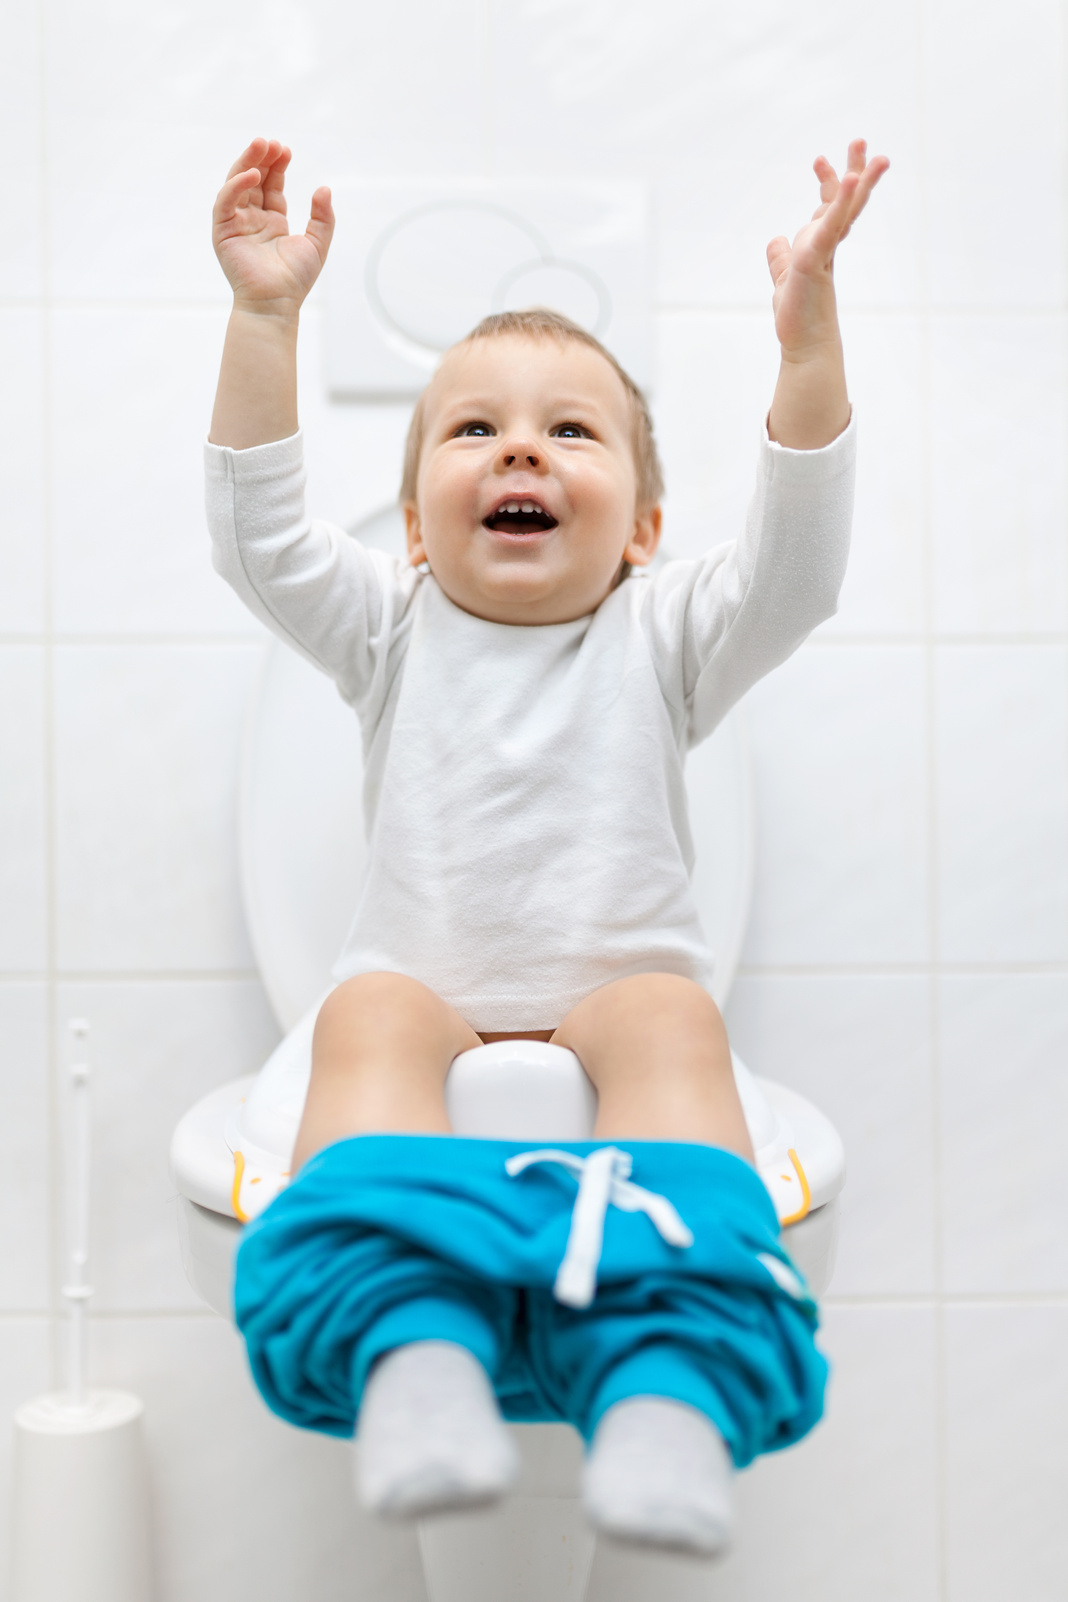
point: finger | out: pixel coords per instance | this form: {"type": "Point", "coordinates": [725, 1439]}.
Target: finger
{"type": "Point", "coordinates": [274, 177]}
{"type": "Point", "coordinates": [858, 155]}
{"type": "Point", "coordinates": [828, 179]}
{"type": "Point", "coordinates": [834, 223]}
{"type": "Point", "coordinates": [320, 229]}
{"type": "Point", "coordinates": [234, 194]}
{"type": "Point", "coordinates": [865, 184]}
{"type": "Point", "coordinates": [250, 157]}
{"type": "Point", "coordinates": [779, 257]}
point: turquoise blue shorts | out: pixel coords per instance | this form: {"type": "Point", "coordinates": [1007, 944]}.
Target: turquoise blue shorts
{"type": "Point", "coordinates": [386, 1239]}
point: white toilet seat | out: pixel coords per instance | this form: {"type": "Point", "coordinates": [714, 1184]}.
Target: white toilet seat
{"type": "Point", "coordinates": [230, 1154]}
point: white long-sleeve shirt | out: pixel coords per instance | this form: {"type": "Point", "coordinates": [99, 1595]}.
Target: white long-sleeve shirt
{"type": "Point", "coordinates": [523, 797]}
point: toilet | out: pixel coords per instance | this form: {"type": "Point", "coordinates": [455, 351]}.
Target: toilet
{"type": "Point", "coordinates": [301, 846]}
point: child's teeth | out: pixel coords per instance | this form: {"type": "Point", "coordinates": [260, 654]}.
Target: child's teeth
{"type": "Point", "coordinates": [513, 506]}
{"type": "Point", "coordinates": [527, 506]}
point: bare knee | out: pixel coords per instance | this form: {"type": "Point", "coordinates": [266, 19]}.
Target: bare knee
{"type": "Point", "coordinates": [377, 1009]}
{"type": "Point", "coordinates": [645, 1004]}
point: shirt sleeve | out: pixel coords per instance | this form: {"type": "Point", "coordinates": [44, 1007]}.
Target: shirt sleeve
{"type": "Point", "coordinates": [341, 605]}
{"type": "Point", "coordinates": [718, 624]}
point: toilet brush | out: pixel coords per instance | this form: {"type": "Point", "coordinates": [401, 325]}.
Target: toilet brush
{"type": "Point", "coordinates": [80, 1527]}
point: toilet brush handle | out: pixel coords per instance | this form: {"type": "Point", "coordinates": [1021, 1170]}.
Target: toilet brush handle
{"type": "Point", "coordinates": [78, 1290]}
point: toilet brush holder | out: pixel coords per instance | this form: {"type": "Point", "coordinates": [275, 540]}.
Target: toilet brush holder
{"type": "Point", "coordinates": [80, 1515]}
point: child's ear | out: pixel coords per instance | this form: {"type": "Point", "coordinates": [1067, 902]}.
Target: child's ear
{"type": "Point", "coordinates": [413, 533]}
{"type": "Point", "coordinates": [642, 545]}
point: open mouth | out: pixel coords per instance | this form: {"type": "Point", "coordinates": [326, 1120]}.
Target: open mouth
{"type": "Point", "coordinates": [519, 517]}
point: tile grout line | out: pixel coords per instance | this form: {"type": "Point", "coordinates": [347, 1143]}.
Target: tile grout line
{"type": "Point", "coordinates": [933, 905]}
{"type": "Point", "coordinates": [49, 730]}
{"type": "Point", "coordinates": [1062, 17]}
{"type": "Point", "coordinates": [164, 304]}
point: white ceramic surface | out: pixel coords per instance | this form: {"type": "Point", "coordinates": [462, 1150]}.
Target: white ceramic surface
{"type": "Point", "coordinates": [860, 1046]}
{"type": "Point", "coordinates": [21, 253]}
{"type": "Point", "coordinates": [147, 745]}
{"type": "Point", "coordinates": [972, 261]}
{"type": "Point", "coordinates": [1006, 1456]}
{"type": "Point", "coordinates": [242, 1502]}
{"type": "Point", "coordinates": [23, 860]}
{"type": "Point", "coordinates": [22, 427]}
{"type": "Point", "coordinates": [998, 492]}
{"type": "Point", "coordinates": [1002, 797]}
{"type": "Point", "coordinates": [128, 524]}
{"type": "Point", "coordinates": [884, 590]}
{"type": "Point", "coordinates": [842, 809]}
{"type": "Point", "coordinates": [1003, 1109]}
{"type": "Point", "coordinates": [25, 1195]}
{"type": "Point", "coordinates": [854, 1511]}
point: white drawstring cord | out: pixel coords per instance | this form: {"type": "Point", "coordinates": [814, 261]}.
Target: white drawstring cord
{"type": "Point", "coordinates": [604, 1179]}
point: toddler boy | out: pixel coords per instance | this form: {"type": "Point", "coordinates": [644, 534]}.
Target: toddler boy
{"type": "Point", "coordinates": [527, 694]}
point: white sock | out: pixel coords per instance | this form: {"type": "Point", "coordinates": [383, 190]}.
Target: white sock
{"type": "Point", "coordinates": [659, 1472]}
{"type": "Point", "coordinates": [429, 1434]}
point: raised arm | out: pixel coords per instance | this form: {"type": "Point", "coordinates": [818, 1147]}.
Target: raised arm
{"type": "Point", "coordinates": [811, 406]}
{"type": "Point", "coordinates": [270, 271]}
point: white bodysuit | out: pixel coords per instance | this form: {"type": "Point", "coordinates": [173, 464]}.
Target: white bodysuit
{"type": "Point", "coordinates": [524, 798]}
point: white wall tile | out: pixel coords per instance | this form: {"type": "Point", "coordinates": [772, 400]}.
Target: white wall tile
{"type": "Point", "coordinates": [1002, 783]}
{"type": "Point", "coordinates": [1004, 1109]}
{"type": "Point", "coordinates": [998, 501]}
{"type": "Point", "coordinates": [851, 1512]}
{"type": "Point", "coordinates": [132, 403]}
{"type": "Point", "coordinates": [723, 110]}
{"type": "Point", "coordinates": [25, 1201]}
{"type": "Point", "coordinates": [1007, 1456]}
{"type": "Point", "coordinates": [24, 1373]}
{"type": "Point", "coordinates": [715, 380]}
{"type": "Point", "coordinates": [20, 133]}
{"type": "Point", "coordinates": [859, 1048]}
{"type": "Point", "coordinates": [883, 591]}
{"type": "Point", "coordinates": [244, 1505]}
{"type": "Point", "coordinates": [993, 101]}
{"type": "Point", "coordinates": [22, 522]}
{"type": "Point", "coordinates": [147, 753]}
{"type": "Point", "coordinates": [354, 453]}
{"type": "Point", "coordinates": [132, 550]}
{"type": "Point", "coordinates": [398, 88]}
{"type": "Point", "coordinates": [23, 894]}
{"type": "Point", "coordinates": [837, 735]}
{"type": "Point", "coordinates": [154, 1049]}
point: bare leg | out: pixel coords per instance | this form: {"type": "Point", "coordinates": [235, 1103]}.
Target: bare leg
{"type": "Point", "coordinates": [656, 1050]}
{"type": "Point", "coordinates": [382, 1048]}
{"type": "Point", "coordinates": [429, 1433]}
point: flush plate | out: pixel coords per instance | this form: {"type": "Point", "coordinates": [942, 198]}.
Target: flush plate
{"type": "Point", "coordinates": [415, 265]}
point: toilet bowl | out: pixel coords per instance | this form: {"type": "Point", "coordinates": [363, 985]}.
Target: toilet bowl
{"type": "Point", "coordinates": [301, 854]}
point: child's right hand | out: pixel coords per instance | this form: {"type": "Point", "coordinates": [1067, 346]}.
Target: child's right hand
{"type": "Point", "coordinates": [268, 267]}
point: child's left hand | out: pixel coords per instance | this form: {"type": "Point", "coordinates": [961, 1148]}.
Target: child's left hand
{"type": "Point", "coordinates": [803, 301]}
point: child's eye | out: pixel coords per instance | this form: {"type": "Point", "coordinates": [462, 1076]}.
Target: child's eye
{"type": "Point", "coordinates": [475, 430]}
{"type": "Point", "coordinates": [570, 431]}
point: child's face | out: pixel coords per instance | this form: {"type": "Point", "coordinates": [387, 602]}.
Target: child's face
{"type": "Point", "coordinates": [514, 420]}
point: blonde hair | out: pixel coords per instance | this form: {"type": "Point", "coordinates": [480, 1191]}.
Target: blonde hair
{"type": "Point", "coordinates": [538, 322]}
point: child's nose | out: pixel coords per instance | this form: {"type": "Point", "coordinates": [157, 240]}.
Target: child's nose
{"type": "Point", "coordinates": [520, 453]}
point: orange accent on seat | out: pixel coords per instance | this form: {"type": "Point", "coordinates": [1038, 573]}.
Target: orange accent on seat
{"type": "Point", "coordinates": [235, 1194]}
{"type": "Point", "coordinates": [806, 1194]}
